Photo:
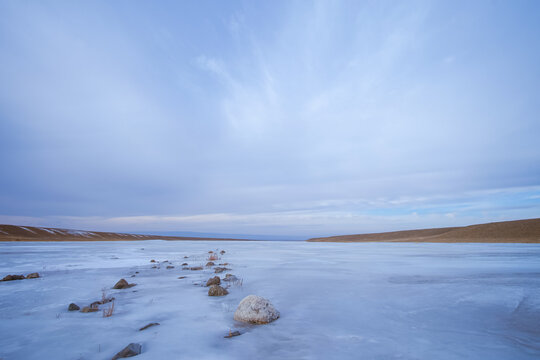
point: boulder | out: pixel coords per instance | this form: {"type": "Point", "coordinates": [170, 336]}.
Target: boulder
{"type": "Point", "coordinates": [32, 276]}
{"type": "Point", "coordinates": [13, 277]}
{"type": "Point", "coordinates": [216, 290]}
{"type": "Point", "coordinates": [73, 307]}
{"type": "Point", "coordinates": [213, 281]}
{"type": "Point", "coordinates": [123, 284]}
{"type": "Point", "coordinates": [254, 309]}
{"type": "Point", "coordinates": [132, 349]}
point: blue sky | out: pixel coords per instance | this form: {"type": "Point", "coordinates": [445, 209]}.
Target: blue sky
{"type": "Point", "coordinates": [279, 118]}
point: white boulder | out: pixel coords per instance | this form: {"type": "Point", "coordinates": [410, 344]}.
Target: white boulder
{"type": "Point", "coordinates": [256, 310]}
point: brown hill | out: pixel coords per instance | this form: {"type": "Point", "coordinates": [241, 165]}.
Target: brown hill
{"type": "Point", "coordinates": [30, 233]}
{"type": "Point", "coordinates": [519, 231]}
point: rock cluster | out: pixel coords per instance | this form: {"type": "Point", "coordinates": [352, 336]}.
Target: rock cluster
{"type": "Point", "coordinates": [20, 277]}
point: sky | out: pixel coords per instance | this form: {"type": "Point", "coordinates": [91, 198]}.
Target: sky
{"type": "Point", "coordinates": [286, 118]}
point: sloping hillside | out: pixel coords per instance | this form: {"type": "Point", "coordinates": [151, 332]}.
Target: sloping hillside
{"type": "Point", "coordinates": [30, 233]}
{"type": "Point", "coordinates": [519, 231]}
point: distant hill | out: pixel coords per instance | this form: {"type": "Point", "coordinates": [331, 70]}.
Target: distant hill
{"type": "Point", "coordinates": [519, 231]}
{"type": "Point", "coordinates": [30, 233]}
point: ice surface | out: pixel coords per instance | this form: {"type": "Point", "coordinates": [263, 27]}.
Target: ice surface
{"type": "Point", "coordinates": [337, 301]}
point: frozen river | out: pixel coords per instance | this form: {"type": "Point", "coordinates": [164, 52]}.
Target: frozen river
{"type": "Point", "coordinates": [337, 301]}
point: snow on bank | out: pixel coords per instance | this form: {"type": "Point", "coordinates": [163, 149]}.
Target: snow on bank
{"type": "Point", "coordinates": [337, 301]}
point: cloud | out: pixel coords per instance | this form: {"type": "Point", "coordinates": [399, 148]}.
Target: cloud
{"type": "Point", "coordinates": [307, 117]}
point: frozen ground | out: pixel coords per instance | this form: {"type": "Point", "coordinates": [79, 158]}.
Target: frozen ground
{"type": "Point", "coordinates": [337, 301]}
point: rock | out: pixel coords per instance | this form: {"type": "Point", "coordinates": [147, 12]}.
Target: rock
{"type": "Point", "coordinates": [222, 252]}
{"type": "Point", "coordinates": [73, 307]}
{"type": "Point", "coordinates": [147, 326]}
{"type": "Point", "coordinates": [88, 309]}
{"type": "Point", "coordinates": [132, 349]}
{"type": "Point", "coordinates": [32, 276]}
{"type": "Point", "coordinates": [218, 269]}
{"type": "Point", "coordinates": [196, 268]}
{"type": "Point", "coordinates": [210, 263]}
{"type": "Point", "coordinates": [185, 264]}
{"type": "Point", "coordinates": [224, 264]}
{"type": "Point", "coordinates": [213, 281]}
{"type": "Point", "coordinates": [136, 272]}
{"type": "Point", "coordinates": [182, 277]}
{"type": "Point", "coordinates": [133, 275]}
{"type": "Point", "coordinates": [185, 257]}
{"type": "Point", "coordinates": [232, 334]}
{"type": "Point", "coordinates": [170, 267]}
{"type": "Point", "coordinates": [230, 277]}
{"type": "Point", "coordinates": [254, 309]}
{"type": "Point", "coordinates": [154, 267]}
{"type": "Point", "coordinates": [152, 260]}
{"type": "Point", "coordinates": [210, 252]}
{"type": "Point", "coordinates": [123, 284]}
{"type": "Point", "coordinates": [13, 277]}
{"type": "Point", "coordinates": [216, 290]}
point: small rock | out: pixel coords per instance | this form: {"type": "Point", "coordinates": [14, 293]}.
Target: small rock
{"type": "Point", "coordinates": [185, 257]}
{"type": "Point", "coordinates": [230, 277]}
{"type": "Point", "coordinates": [154, 267]}
{"type": "Point", "coordinates": [224, 264]}
{"type": "Point", "coordinates": [73, 307]}
{"type": "Point", "coordinates": [132, 349]}
{"type": "Point", "coordinates": [13, 277]}
{"type": "Point", "coordinates": [254, 309]}
{"type": "Point", "coordinates": [133, 275]}
{"type": "Point", "coordinates": [88, 309]}
{"type": "Point", "coordinates": [136, 272]}
{"type": "Point", "coordinates": [147, 326]}
{"type": "Point", "coordinates": [213, 281]}
{"type": "Point", "coordinates": [152, 260]}
{"type": "Point", "coordinates": [185, 264]}
{"type": "Point", "coordinates": [218, 269]}
{"type": "Point", "coordinates": [182, 277]}
{"type": "Point", "coordinates": [210, 263]}
{"type": "Point", "coordinates": [32, 276]}
{"type": "Point", "coordinates": [210, 252]}
{"type": "Point", "coordinates": [222, 252]}
{"type": "Point", "coordinates": [232, 334]}
{"type": "Point", "coordinates": [216, 290]}
{"type": "Point", "coordinates": [196, 268]}
{"type": "Point", "coordinates": [123, 284]}
{"type": "Point", "coordinates": [170, 267]}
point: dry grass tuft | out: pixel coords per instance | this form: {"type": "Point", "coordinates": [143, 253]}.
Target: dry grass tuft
{"type": "Point", "coordinates": [109, 311]}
